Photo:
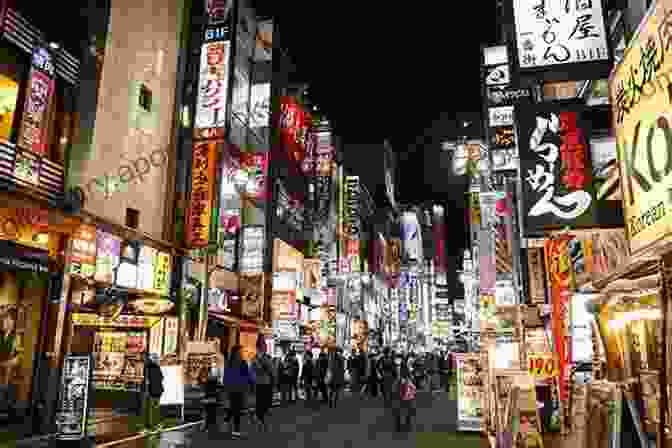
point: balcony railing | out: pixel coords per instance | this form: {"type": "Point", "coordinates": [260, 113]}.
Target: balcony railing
{"type": "Point", "coordinates": [25, 169]}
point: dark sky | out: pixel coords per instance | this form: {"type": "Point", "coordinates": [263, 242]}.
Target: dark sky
{"type": "Point", "coordinates": [391, 70]}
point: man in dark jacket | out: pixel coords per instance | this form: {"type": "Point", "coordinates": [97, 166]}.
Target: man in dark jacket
{"type": "Point", "coordinates": [322, 367]}
{"type": "Point", "coordinates": [337, 367]}
{"type": "Point", "coordinates": [387, 372]}
{"type": "Point", "coordinates": [308, 376]}
{"type": "Point", "coordinates": [237, 381]}
{"type": "Point", "coordinates": [154, 378]}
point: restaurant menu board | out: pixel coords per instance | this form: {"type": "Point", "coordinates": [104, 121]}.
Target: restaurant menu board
{"type": "Point", "coordinates": [74, 396]}
{"type": "Point", "coordinates": [82, 257]}
{"type": "Point", "coordinates": [252, 250]}
{"type": "Point", "coordinates": [470, 393]}
{"type": "Point", "coordinates": [108, 250]}
{"type": "Point", "coordinates": [170, 335]}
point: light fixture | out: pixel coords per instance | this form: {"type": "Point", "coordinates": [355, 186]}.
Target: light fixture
{"type": "Point", "coordinates": [54, 45]}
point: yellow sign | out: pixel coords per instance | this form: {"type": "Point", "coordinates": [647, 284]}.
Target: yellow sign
{"type": "Point", "coordinates": [639, 89]}
{"type": "Point", "coordinates": [542, 365]}
{"type": "Point", "coordinates": [125, 321]}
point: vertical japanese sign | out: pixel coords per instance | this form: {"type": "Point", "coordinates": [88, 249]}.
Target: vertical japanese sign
{"type": "Point", "coordinates": [295, 124]}
{"type": "Point", "coordinates": [213, 84]}
{"type": "Point", "coordinates": [641, 103]}
{"type": "Point", "coordinates": [556, 169]}
{"type": "Point", "coordinates": [559, 268]}
{"type": "Point", "coordinates": [34, 125]}
{"type": "Point", "coordinates": [255, 166]}
{"type": "Point", "coordinates": [204, 163]}
{"type": "Point", "coordinates": [559, 32]}
{"type": "Point", "coordinates": [218, 11]}
{"type": "Point", "coordinates": [82, 258]}
{"type": "Point", "coordinates": [162, 265]}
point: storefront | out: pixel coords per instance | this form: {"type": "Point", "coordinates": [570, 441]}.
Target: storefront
{"type": "Point", "coordinates": [120, 311]}
{"type": "Point", "coordinates": [31, 277]}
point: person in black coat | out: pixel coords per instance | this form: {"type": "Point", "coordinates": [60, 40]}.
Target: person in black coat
{"type": "Point", "coordinates": [154, 379]}
{"type": "Point", "coordinates": [308, 376]}
{"type": "Point", "coordinates": [322, 367]}
{"type": "Point", "coordinates": [210, 402]}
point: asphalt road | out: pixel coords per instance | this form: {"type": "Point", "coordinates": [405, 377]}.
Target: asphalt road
{"type": "Point", "coordinates": [353, 424]}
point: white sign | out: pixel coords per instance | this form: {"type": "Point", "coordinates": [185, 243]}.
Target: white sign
{"type": "Point", "coordinates": [559, 32]}
{"type": "Point", "coordinates": [501, 116]}
{"type": "Point", "coordinates": [495, 55]}
{"type": "Point", "coordinates": [497, 76]}
{"type": "Point", "coordinates": [260, 107]}
{"type": "Point", "coordinates": [173, 385]}
{"type": "Point", "coordinates": [213, 81]}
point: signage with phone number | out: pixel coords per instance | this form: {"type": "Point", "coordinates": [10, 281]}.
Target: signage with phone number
{"type": "Point", "coordinates": [542, 365]}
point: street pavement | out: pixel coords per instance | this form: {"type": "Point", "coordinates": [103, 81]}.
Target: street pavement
{"type": "Point", "coordinates": [353, 423]}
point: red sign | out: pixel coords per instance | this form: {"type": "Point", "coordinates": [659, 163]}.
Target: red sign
{"type": "Point", "coordinates": [203, 166]}
{"type": "Point", "coordinates": [559, 268]}
{"type": "Point", "coordinates": [33, 130]}
{"type": "Point", "coordinates": [295, 125]}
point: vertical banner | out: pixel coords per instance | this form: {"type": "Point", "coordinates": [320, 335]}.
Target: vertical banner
{"type": "Point", "coordinates": [203, 166]}
{"type": "Point", "coordinates": [41, 84]}
{"type": "Point", "coordinates": [411, 237]}
{"type": "Point", "coordinates": [213, 84]}
{"type": "Point", "coordinates": [559, 268]}
{"type": "Point", "coordinates": [439, 232]}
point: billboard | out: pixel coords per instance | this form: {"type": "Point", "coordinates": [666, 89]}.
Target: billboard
{"type": "Point", "coordinates": [641, 104]}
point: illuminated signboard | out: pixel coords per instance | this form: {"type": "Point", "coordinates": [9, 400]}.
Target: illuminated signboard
{"type": "Point", "coordinates": [641, 103]}
{"type": "Point", "coordinates": [33, 130]}
{"type": "Point", "coordinates": [553, 33]}
{"type": "Point", "coordinates": [295, 124]}
{"type": "Point", "coordinates": [82, 258]}
{"type": "Point", "coordinates": [213, 84]}
{"type": "Point", "coordinates": [203, 165]}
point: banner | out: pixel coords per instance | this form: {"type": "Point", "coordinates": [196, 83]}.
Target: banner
{"type": "Point", "coordinates": [213, 85]}
{"type": "Point", "coordinates": [559, 268]}
{"type": "Point", "coordinates": [203, 170]}
{"type": "Point", "coordinates": [34, 122]}
{"type": "Point", "coordinates": [556, 167]}
{"type": "Point", "coordinates": [295, 124]}
{"type": "Point", "coordinates": [641, 107]}
{"type": "Point", "coordinates": [411, 237]}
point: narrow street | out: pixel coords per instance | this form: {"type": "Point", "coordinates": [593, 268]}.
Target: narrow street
{"type": "Point", "coordinates": [352, 424]}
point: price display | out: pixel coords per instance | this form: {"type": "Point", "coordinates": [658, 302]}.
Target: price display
{"type": "Point", "coordinates": [542, 365]}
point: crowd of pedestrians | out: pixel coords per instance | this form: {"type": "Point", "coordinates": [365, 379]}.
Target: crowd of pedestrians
{"type": "Point", "coordinates": [394, 375]}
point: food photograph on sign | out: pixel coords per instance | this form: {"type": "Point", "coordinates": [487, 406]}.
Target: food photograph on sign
{"type": "Point", "coordinates": [556, 169]}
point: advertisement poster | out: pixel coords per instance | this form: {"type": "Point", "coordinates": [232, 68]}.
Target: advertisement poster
{"type": "Point", "coordinates": [33, 130]}
{"type": "Point", "coordinates": [469, 393]}
{"type": "Point", "coordinates": [642, 123]}
{"type": "Point", "coordinates": [203, 168]}
{"type": "Point", "coordinates": [74, 398]}
{"type": "Point", "coordinates": [328, 326]}
{"type": "Point", "coordinates": [559, 268]}
{"type": "Point", "coordinates": [213, 84]}
{"type": "Point", "coordinates": [252, 244]}
{"type": "Point", "coordinates": [108, 249]}
{"type": "Point", "coordinates": [255, 167]}
{"type": "Point", "coordinates": [82, 259]}
{"type": "Point", "coordinates": [559, 189]}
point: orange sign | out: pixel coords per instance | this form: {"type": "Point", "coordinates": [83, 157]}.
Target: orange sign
{"type": "Point", "coordinates": [203, 165]}
{"type": "Point", "coordinates": [542, 365]}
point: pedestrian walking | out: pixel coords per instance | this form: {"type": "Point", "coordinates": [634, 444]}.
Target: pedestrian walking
{"type": "Point", "coordinates": [357, 372]}
{"type": "Point", "coordinates": [443, 370]}
{"type": "Point", "coordinates": [211, 402]}
{"type": "Point", "coordinates": [372, 376]}
{"type": "Point", "coordinates": [286, 380]}
{"type": "Point", "coordinates": [294, 369]}
{"type": "Point", "coordinates": [403, 397]}
{"type": "Point", "coordinates": [337, 370]}
{"type": "Point", "coordinates": [386, 372]}
{"type": "Point", "coordinates": [154, 378]}
{"type": "Point", "coordinates": [263, 370]}
{"type": "Point", "coordinates": [238, 377]}
{"type": "Point", "coordinates": [322, 369]}
{"type": "Point", "coordinates": [308, 376]}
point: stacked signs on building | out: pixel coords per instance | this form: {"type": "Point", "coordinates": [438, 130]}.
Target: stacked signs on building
{"type": "Point", "coordinates": [501, 96]}
{"type": "Point", "coordinates": [556, 169]}
{"type": "Point", "coordinates": [552, 34]}
{"type": "Point", "coordinates": [351, 223]}
{"type": "Point", "coordinates": [641, 108]}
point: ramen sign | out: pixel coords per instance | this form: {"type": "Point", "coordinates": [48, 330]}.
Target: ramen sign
{"type": "Point", "coordinates": [641, 95]}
